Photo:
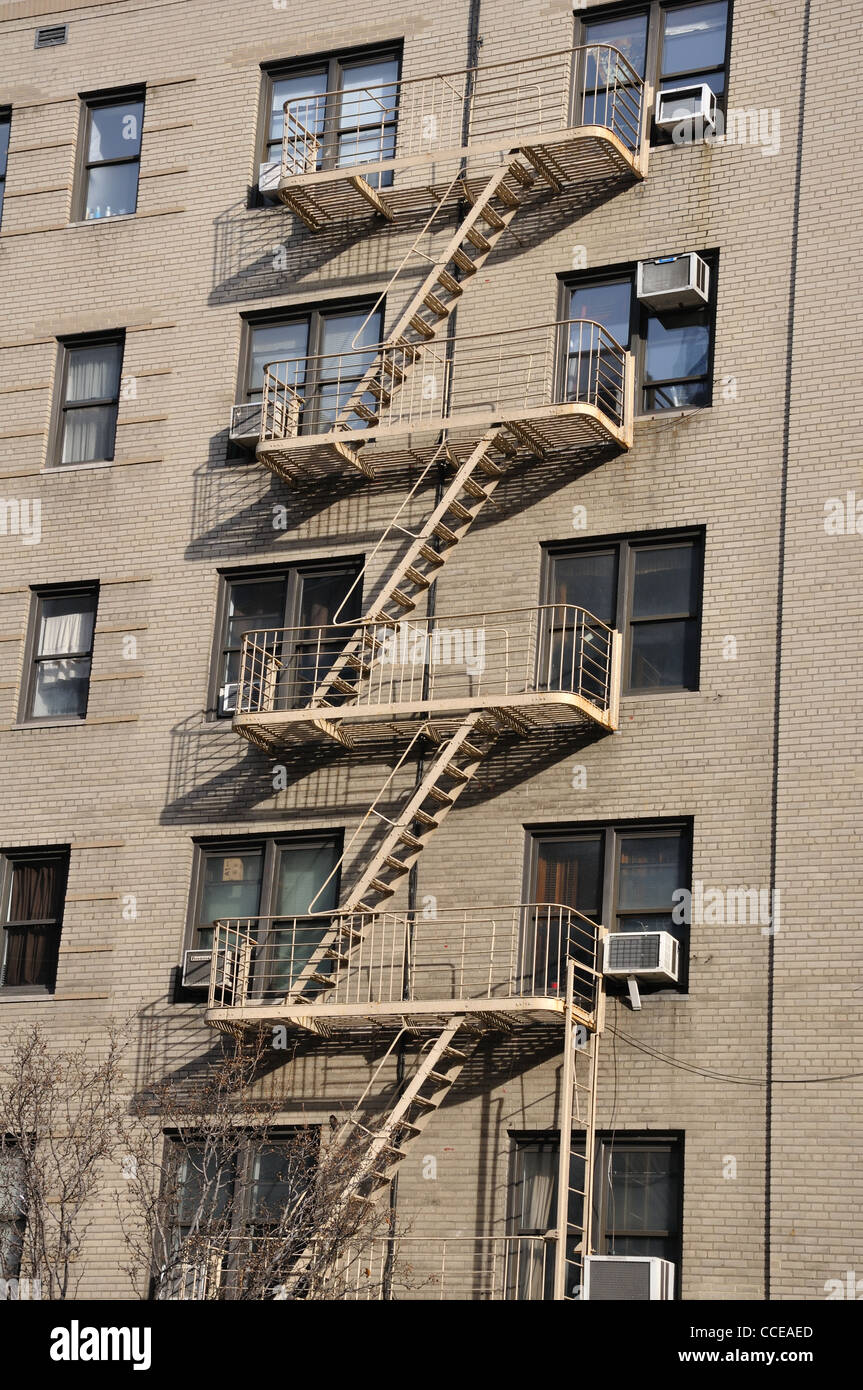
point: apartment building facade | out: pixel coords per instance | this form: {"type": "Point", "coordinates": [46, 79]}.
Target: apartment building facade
{"type": "Point", "coordinates": [529, 630]}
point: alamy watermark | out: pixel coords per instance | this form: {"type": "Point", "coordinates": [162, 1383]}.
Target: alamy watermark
{"type": "Point", "coordinates": [750, 125]}
{"type": "Point", "coordinates": [22, 517]}
{"type": "Point", "coordinates": [406, 645]}
{"type": "Point", "coordinates": [705, 906]}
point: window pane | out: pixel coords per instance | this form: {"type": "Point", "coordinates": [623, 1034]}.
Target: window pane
{"type": "Point", "coordinates": [115, 131]}
{"type": "Point", "coordinates": [608, 304]}
{"type": "Point", "coordinates": [232, 884]}
{"type": "Point", "coordinates": [4, 145]}
{"type": "Point", "coordinates": [642, 1192]}
{"type": "Point", "coordinates": [666, 579]}
{"type": "Point", "coordinates": [301, 873]}
{"type": "Point", "coordinates": [569, 872]}
{"type": "Point", "coordinates": [257, 603]}
{"type": "Point", "coordinates": [61, 688]}
{"type": "Point", "coordinates": [306, 95]}
{"type": "Point", "coordinates": [112, 190]}
{"type": "Point", "coordinates": [31, 957]}
{"type": "Point", "coordinates": [628, 34]}
{"type": "Point", "coordinates": [366, 147]}
{"type": "Point", "coordinates": [368, 94]}
{"type": "Point", "coordinates": [34, 894]}
{"type": "Point", "coordinates": [650, 868]}
{"type": "Point", "coordinates": [279, 1177]}
{"type": "Point", "coordinates": [89, 434]}
{"type": "Point", "coordinates": [277, 342]}
{"type": "Point", "coordinates": [663, 654]}
{"type": "Point", "coordinates": [93, 373]}
{"type": "Point", "coordinates": [694, 37]}
{"type": "Point", "coordinates": [678, 345]}
{"type": "Point", "coordinates": [588, 581]}
{"type": "Point", "coordinates": [349, 333]}
{"type": "Point", "coordinates": [205, 1182]}
{"type": "Point", "coordinates": [689, 393]}
{"type": "Point", "coordinates": [322, 594]}
{"type": "Point", "coordinates": [66, 624]}
{"type": "Point", "coordinates": [11, 1183]}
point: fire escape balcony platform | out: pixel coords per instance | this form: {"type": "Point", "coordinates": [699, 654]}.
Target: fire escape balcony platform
{"type": "Point", "coordinates": [574, 118]}
{"type": "Point", "coordinates": [561, 386]}
{"type": "Point", "coordinates": [502, 968]}
{"type": "Point", "coordinates": [521, 669]}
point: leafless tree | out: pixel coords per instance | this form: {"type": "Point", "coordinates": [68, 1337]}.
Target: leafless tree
{"type": "Point", "coordinates": [220, 1203]}
{"type": "Point", "coordinates": [60, 1125]}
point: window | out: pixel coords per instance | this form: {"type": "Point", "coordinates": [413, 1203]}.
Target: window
{"type": "Point", "coordinates": [90, 385]}
{"type": "Point", "coordinates": [33, 886]}
{"type": "Point", "coordinates": [63, 630]}
{"type": "Point", "coordinates": [650, 590]}
{"type": "Point", "coordinates": [5, 125]}
{"type": "Point", "coordinates": [342, 112]}
{"type": "Point", "coordinates": [672, 45]}
{"type": "Point", "coordinates": [13, 1208]}
{"type": "Point", "coordinates": [228, 1198]}
{"type": "Point", "coordinates": [270, 600]}
{"type": "Point", "coordinates": [623, 876]}
{"type": "Point", "coordinates": [112, 154]}
{"type": "Point", "coordinates": [673, 350]}
{"type": "Point", "coordinates": [637, 1203]}
{"type": "Point", "coordinates": [266, 878]}
{"type": "Point", "coordinates": [326, 382]}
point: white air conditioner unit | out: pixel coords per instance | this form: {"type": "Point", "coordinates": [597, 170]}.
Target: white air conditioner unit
{"type": "Point", "coordinates": [649, 955]}
{"type": "Point", "coordinates": [196, 969]}
{"type": "Point", "coordinates": [245, 426]}
{"type": "Point", "coordinates": [695, 105]}
{"type": "Point", "coordinates": [673, 282]}
{"type": "Point", "coordinates": [269, 174]}
{"type": "Point", "coordinates": [627, 1278]}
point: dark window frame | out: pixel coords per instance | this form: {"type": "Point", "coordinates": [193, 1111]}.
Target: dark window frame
{"type": "Point", "coordinates": [639, 314]}
{"type": "Point", "coordinates": [626, 546]}
{"type": "Point", "coordinates": [38, 594]}
{"type": "Point", "coordinates": [605, 1141]}
{"type": "Point", "coordinates": [333, 62]}
{"type": "Point", "coordinates": [611, 833]}
{"type": "Point", "coordinates": [270, 846]}
{"type": "Point", "coordinates": [315, 316]}
{"type": "Point", "coordinates": [294, 574]}
{"type": "Point", "coordinates": [656, 11]}
{"type": "Point", "coordinates": [5, 120]}
{"type": "Point", "coordinates": [16, 1224]}
{"type": "Point", "coordinates": [244, 1219]}
{"type": "Point", "coordinates": [91, 101]}
{"type": "Point", "coordinates": [66, 346]}
{"type": "Point", "coordinates": [9, 860]}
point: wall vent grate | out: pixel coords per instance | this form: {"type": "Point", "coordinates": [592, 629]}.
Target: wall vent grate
{"type": "Point", "coordinates": [51, 36]}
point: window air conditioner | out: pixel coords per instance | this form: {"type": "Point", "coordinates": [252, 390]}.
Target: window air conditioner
{"type": "Point", "coordinates": [627, 1278]}
{"type": "Point", "coordinates": [246, 423]}
{"type": "Point", "coordinates": [269, 174]}
{"type": "Point", "coordinates": [695, 104]}
{"type": "Point", "coordinates": [673, 282]}
{"type": "Point", "coordinates": [651, 955]}
{"type": "Point", "coordinates": [196, 969]}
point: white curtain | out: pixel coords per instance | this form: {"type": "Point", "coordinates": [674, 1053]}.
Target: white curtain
{"type": "Point", "coordinates": [65, 629]}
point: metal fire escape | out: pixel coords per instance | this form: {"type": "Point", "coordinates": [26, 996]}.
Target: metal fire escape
{"type": "Point", "coordinates": [487, 402]}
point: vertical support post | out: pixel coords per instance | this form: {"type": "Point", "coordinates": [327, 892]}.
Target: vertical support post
{"type": "Point", "coordinates": [566, 1090]}
{"type": "Point", "coordinates": [614, 679]}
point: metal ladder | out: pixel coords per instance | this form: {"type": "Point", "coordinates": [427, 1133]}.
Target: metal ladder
{"type": "Point", "coordinates": [449, 772]}
{"type": "Point", "coordinates": [574, 1216]}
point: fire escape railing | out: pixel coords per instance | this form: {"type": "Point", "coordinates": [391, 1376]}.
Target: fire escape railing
{"type": "Point", "coordinates": [555, 648]}
{"type": "Point", "coordinates": [495, 375]}
{"type": "Point", "coordinates": [497, 954]}
{"type": "Point", "coordinates": [509, 103]}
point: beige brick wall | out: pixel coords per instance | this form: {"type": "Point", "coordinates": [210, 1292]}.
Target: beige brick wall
{"type": "Point", "coordinates": [145, 773]}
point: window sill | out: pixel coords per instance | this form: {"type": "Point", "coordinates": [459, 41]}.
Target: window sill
{"type": "Point", "coordinates": [70, 723]}
{"type": "Point", "coordinates": [77, 467]}
{"type": "Point", "coordinates": [679, 414]}
{"type": "Point", "coordinates": [100, 221]}
{"type": "Point", "coordinates": [671, 693]}
{"type": "Point", "coordinates": [24, 996]}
